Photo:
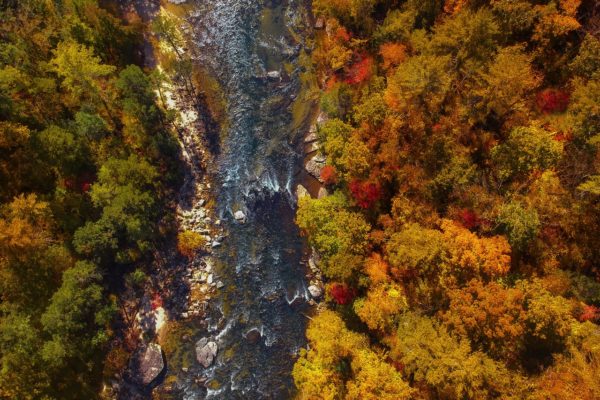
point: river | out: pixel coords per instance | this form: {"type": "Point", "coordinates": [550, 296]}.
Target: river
{"type": "Point", "coordinates": [240, 42]}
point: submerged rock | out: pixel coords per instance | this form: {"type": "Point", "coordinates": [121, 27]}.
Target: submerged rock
{"type": "Point", "coordinates": [253, 336]}
{"type": "Point", "coordinates": [147, 364]}
{"type": "Point", "coordinates": [206, 352]}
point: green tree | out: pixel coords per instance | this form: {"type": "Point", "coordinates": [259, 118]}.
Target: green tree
{"type": "Point", "coordinates": [527, 149]}
{"type": "Point", "coordinates": [124, 195]}
{"type": "Point", "coordinates": [520, 224]}
{"type": "Point", "coordinates": [506, 83]}
{"type": "Point", "coordinates": [339, 235]}
{"type": "Point", "coordinates": [22, 372]}
{"type": "Point", "coordinates": [77, 315]}
{"type": "Point", "coordinates": [469, 38]}
{"type": "Point", "coordinates": [82, 72]}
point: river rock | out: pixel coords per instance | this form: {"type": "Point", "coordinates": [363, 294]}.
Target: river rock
{"type": "Point", "coordinates": [177, 1]}
{"type": "Point", "coordinates": [322, 193]}
{"type": "Point", "coordinates": [315, 291]}
{"type": "Point", "coordinates": [206, 352]}
{"type": "Point", "coordinates": [240, 216]}
{"type": "Point", "coordinates": [253, 336]}
{"type": "Point", "coordinates": [274, 75]}
{"type": "Point", "coordinates": [147, 364]}
{"type": "Point", "coordinates": [301, 192]}
{"type": "Point", "coordinates": [320, 23]}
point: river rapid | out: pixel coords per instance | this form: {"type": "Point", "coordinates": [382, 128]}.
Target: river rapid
{"type": "Point", "coordinates": [252, 48]}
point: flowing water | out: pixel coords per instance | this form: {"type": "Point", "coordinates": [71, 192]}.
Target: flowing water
{"type": "Point", "coordinates": [240, 42]}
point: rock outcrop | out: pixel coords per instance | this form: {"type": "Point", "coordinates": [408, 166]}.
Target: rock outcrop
{"type": "Point", "coordinates": [315, 165]}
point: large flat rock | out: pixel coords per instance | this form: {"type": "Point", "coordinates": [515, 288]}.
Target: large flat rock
{"type": "Point", "coordinates": [146, 364]}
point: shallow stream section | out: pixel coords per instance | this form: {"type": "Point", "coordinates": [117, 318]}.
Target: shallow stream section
{"type": "Point", "coordinates": [252, 48]}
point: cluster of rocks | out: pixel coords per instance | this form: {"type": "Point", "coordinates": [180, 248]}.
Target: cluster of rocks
{"type": "Point", "coordinates": [203, 283]}
{"type": "Point", "coordinates": [315, 276]}
{"type": "Point", "coordinates": [316, 163]}
{"type": "Point", "coordinates": [314, 166]}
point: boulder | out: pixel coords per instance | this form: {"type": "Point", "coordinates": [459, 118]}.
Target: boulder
{"type": "Point", "coordinates": [253, 336]}
{"type": "Point", "coordinates": [147, 364]}
{"type": "Point", "coordinates": [301, 192]}
{"type": "Point", "coordinates": [313, 261]}
{"type": "Point", "coordinates": [322, 118]}
{"type": "Point", "coordinates": [240, 216]}
{"type": "Point", "coordinates": [315, 291]}
{"type": "Point", "coordinates": [274, 75]}
{"type": "Point", "coordinates": [206, 351]}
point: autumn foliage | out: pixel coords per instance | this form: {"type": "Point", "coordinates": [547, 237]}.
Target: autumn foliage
{"type": "Point", "coordinates": [365, 193]}
{"type": "Point", "coordinates": [360, 70]}
{"type": "Point", "coordinates": [341, 293]}
{"type": "Point", "coordinates": [465, 133]}
{"type": "Point", "coordinates": [552, 100]}
{"type": "Point", "coordinates": [329, 175]}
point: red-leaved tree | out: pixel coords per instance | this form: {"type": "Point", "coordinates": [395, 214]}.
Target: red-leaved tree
{"type": "Point", "coordinates": [552, 100]}
{"type": "Point", "coordinates": [365, 193]}
{"type": "Point", "coordinates": [329, 175]}
{"type": "Point", "coordinates": [341, 293]}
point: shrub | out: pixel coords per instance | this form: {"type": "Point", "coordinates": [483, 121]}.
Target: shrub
{"type": "Point", "coordinates": [189, 242]}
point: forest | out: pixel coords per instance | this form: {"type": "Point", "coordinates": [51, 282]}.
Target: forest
{"type": "Point", "coordinates": [87, 157]}
{"type": "Point", "coordinates": [460, 244]}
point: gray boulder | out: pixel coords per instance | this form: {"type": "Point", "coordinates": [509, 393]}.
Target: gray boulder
{"type": "Point", "coordinates": [240, 216]}
{"type": "Point", "coordinates": [206, 351]}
